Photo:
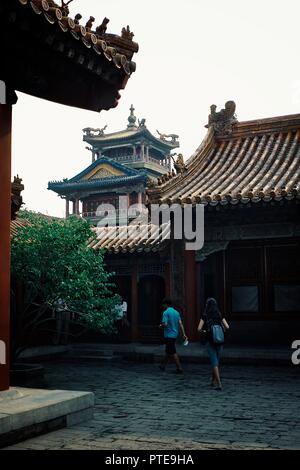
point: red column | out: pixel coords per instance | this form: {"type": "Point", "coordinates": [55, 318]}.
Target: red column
{"type": "Point", "coordinates": [190, 290]}
{"type": "Point", "coordinates": [134, 304]}
{"type": "Point", "coordinates": [5, 214]}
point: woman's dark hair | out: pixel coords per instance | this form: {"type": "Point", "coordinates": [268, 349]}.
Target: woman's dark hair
{"type": "Point", "coordinates": [168, 302]}
{"type": "Point", "coordinates": [211, 309]}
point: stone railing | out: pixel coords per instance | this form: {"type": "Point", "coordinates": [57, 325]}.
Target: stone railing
{"type": "Point", "coordinates": [138, 158]}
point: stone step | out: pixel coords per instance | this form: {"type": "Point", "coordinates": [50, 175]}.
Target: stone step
{"type": "Point", "coordinates": [92, 351]}
{"type": "Point", "coordinates": [28, 412]}
{"type": "Point", "coordinates": [90, 357]}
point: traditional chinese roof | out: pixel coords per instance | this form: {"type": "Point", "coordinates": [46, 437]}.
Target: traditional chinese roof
{"type": "Point", "coordinates": [132, 134]}
{"type": "Point", "coordinates": [103, 173]}
{"type": "Point", "coordinates": [129, 136]}
{"type": "Point", "coordinates": [131, 239]}
{"type": "Point", "coordinates": [48, 54]}
{"type": "Point", "coordinates": [240, 162]}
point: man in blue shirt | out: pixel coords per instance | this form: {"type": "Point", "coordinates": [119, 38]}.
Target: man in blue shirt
{"type": "Point", "coordinates": [172, 325]}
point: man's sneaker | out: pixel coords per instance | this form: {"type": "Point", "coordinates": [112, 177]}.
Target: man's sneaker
{"type": "Point", "coordinates": [162, 368]}
{"type": "Point", "coordinates": [179, 371]}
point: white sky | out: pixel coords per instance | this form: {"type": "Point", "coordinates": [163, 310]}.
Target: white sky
{"type": "Point", "coordinates": [193, 53]}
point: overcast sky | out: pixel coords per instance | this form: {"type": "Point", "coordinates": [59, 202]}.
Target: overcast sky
{"type": "Point", "coordinates": [193, 53]}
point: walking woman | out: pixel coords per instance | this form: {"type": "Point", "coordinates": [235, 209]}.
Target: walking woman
{"type": "Point", "coordinates": [211, 325]}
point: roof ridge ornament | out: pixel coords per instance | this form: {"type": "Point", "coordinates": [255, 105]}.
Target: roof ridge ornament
{"type": "Point", "coordinates": [174, 137]}
{"type": "Point", "coordinates": [89, 24]}
{"type": "Point", "coordinates": [223, 121]}
{"type": "Point", "coordinates": [179, 164]}
{"type": "Point", "coordinates": [131, 119]}
{"type": "Point", "coordinates": [142, 122]}
{"type": "Point", "coordinates": [127, 34]}
{"type": "Point", "coordinates": [91, 132]}
{"type": "Point", "coordinates": [16, 199]}
{"type": "Point", "coordinates": [102, 28]}
{"type": "Point", "coordinates": [64, 7]}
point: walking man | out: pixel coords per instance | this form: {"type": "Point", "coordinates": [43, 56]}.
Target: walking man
{"type": "Point", "coordinates": [63, 318]}
{"type": "Point", "coordinates": [172, 325]}
{"type": "Point", "coordinates": [121, 319]}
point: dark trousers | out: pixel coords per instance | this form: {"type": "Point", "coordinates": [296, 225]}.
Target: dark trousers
{"type": "Point", "coordinates": [62, 327]}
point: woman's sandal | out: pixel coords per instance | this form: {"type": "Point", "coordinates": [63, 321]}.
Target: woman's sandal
{"type": "Point", "coordinates": [219, 388]}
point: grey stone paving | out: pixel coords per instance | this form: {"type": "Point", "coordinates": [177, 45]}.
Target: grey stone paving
{"type": "Point", "coordinates": [139, 407]}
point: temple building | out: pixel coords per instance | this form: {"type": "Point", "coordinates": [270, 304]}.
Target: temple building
{"type": "Point", "coordinates": [246, 174]}
{"type": "Point", "coordinates": [122, 164]}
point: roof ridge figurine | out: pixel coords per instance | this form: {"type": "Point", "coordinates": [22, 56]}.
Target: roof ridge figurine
{"type": "Point", "coordinates": [77, 18]}
{"type": "Point", "coordinates": [16, 199]}
{"type": "Point", "coordinates": [174, 137]}
{"type": "Point", "coordinates": [101, 29]}
{"type": "Point", "coordinates": [89, 23]}
{"type": "Point", "coordinates": [90, 131]}
{"type": "Point", "coordinates": [179, 164]}
{"type": "Point", "coordinates": [64, 7]}
{"type": "Point", "coordinates": [223, 121]}
{"type": "Point", "coordinates": [127, 34]}
{"type": "Point", "coordinates": [142, 122]}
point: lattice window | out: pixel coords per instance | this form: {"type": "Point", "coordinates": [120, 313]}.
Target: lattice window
{"type": "Point", "coordinates": [245, 264]}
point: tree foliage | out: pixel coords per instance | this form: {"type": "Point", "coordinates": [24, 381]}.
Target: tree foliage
{"type": "Point", "coordinates": [52, 260]}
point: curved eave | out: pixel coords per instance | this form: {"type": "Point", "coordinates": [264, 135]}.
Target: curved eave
{"type": "Point", "coordinates": [62, 188]}
{"type": "Point", "coordinates": [130, 239]}
{"type": "Point", "coordinates": [234, 199]}
{"type": "Point", "coordinates": [114, 140]}
{"type": "Point", "coordinates": [72, 67]}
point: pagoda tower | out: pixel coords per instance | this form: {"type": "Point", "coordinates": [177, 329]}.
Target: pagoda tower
{"type": "Point", "coordinates": [122, 164]}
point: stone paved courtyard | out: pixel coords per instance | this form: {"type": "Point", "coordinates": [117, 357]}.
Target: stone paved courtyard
{"type": "Point", "coordinates": [139, 407]}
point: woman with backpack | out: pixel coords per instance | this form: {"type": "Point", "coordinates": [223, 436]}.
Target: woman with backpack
{"type": "Point", "coordinates": [212, 325]}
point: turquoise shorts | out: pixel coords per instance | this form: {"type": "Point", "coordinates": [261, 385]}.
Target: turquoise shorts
{"type": "Point", "coordinates": [214, 352]}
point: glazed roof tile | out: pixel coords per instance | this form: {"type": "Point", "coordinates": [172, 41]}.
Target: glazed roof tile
{"type": "Point", "coordinates": [131, 239]}
{"type": "Point", "coordinates": [129, 176]}
{"type": "Point", "coordinates": [258, 161]}
{"type": "Point", "coordinates": [115, 48]}
{"type": "Point", "coordinates": [48, 54]}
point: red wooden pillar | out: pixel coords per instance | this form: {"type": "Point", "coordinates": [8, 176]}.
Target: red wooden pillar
{"type": "Point", "coordinates": [5, 214]}
{"type": "Point", "coordinates": [190, 289]}
{"type": "Point", "coordinates": [134, 304]}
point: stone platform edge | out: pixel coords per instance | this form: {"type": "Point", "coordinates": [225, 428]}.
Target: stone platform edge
{"type": "Point", "coordinates": [26, 412]}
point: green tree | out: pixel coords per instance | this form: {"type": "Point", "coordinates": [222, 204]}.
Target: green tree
{"type": "Point", "coordinates": [51, 259]}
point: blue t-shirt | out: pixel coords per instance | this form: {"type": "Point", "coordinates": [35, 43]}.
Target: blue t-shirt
{"type": "Point", "coordinates": [172, 318]}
